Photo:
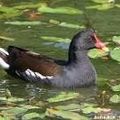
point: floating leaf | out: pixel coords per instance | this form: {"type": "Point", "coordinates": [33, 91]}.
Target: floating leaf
{"type": "Point", "coordinates": [115, 99]}
{"type": "Point", "coordinates": [101, 7]}
{"type": "Point", "coordinates": [6, 38]}
{"type": "Point", "coordinates": [13, 112]}
{"type": "Point", "coordinates": [88, 110]}
{"type": "Point", "coordinates": [63, 96]}
{"type": "Point", "coordinates": [54, 21]}
{"type": "Point", "coordinates": [59, 10]}
{"type": "Point", "coordinates": [92, 108]}
{"type": "Point", "coordinates": [55, 39]}
{"type": "Point", "coordinates": [95, 53]}
{"type": "Point", "coordinates": [69, 107]}
{"type": "Point", "coordinates": [12, 99]}
{"type": "Point", "coordinates": [4, 118]}
{"type": "Point", "coordinates": [29, 5]}
{"type": "Point", "coordinates": [25, 23]}
{"type": "Point", "coordinates": [116, 39]}
{"type": "Point", "coordinates": [8, 12]}
{"type": "Point", "coordinates": [69, 25]}
{"type": "Point", "coordinates": [65, 24]}
{"type": "Point", "coordinates": [116, 88]}
{"type": "Point", "coordinates": [117, 5]}
{"type": "Point", "coordinates": [115, 54]}
{"type": "Point", "coordinates": [30, 116]}
{"type": "Point", "coordinates": [29, 107]}
{"type": "Point", "coordinates": [100, 1]}
{"type": "Point", "coordinates": [65, 114]}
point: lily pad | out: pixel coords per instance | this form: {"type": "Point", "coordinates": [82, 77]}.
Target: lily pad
{"type": "Point", "coordinates": [69, 107]}
{"type": "Point", "coordinates": [55, 39]}
{"type": "Point", "coordinates": [116, 88]}
{"type": "Point", "coordinates": [8, 12]}
{"type": "Point", "coordinates": [27, 5]}
{"type": "Point", "coordinates": [25, 23]}
{"type": "Point", "coordinates": [4, 118]}
{"type": "Point", "coordinates": [63, 96]}
{"type": "Point", "coordinates": [65, 114]}
{"type": "Point", "coordinates": [65, 24]}
{"type": "Point", "coordinates": [14, 112]}
{"type": "Point", "coordinates": [6, 38]}
{"type": "Point", "coordinates": [116, 39]}
{"type": "Point", "coordinates": [59, 10]}
{"type": "Point", "coordinates": [100, 1]}
{"type": "Point", "coordinates": [101, 7]}
{"type": "Point", "coordinates": [12, 99]}
{"type": "Point", "coordinates": [115, 54]}
{"type": "Point", "coordinates": [95, 53]}
{"type": "Point", "coordinates": [115, 99]}
{"type": "Point", "coordinates": [92, 108]}
{"type": "Point", "coordinates": [30, 116]}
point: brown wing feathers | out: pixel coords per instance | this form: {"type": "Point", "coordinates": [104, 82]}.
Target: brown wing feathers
{"type": "Point", "coordinates": [23, 59]}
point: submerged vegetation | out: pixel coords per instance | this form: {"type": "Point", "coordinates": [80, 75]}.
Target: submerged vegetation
{"type": "Point", "coordinates": [48, 26]}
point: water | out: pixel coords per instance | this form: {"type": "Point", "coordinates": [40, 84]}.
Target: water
{"type": "Point", "coordinates": [29, 36]}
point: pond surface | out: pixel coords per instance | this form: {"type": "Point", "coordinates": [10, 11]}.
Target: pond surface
{"type": "Point", "coordinates": [51, 38]}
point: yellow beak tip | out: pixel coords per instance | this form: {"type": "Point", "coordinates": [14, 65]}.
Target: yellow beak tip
{"type": "Point", "coordinates": [106, 49]}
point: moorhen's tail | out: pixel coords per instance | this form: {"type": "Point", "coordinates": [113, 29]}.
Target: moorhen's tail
{"type": "Point", "coordinates": [3, 59]}
{"type": "Point", "coordinates": [23, 64]}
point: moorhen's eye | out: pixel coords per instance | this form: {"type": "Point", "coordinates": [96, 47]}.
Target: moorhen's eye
{"type": "Point", "coordinates": [93, 38]}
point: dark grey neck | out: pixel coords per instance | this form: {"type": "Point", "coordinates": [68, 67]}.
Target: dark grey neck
{"type": "Point", "coordinates": [77, 55]}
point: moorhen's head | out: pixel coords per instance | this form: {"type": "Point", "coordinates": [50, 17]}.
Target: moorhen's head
{"type": "Point", "coordinates": [87, 39]}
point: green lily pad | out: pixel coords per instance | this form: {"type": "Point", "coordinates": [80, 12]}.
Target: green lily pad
{"type": "Point", "coordinates": [12, 99]}
{"type": "Point", "coordinates": [4, 118]}
{"type": "Point", "coordinates": [100, 1]}
{"type": "Point", "coordinates": [29, 107]}
{"type": "Point", "coordinates": [69, 107]}
{"type": "Point", "coordinates": [63, 96]}
{"type": "Point", "coordinates": [13, 112]}
{"type": "Point", "coordinates": [115, 54]}
{"type": "Point", "coordinates": [117, 5]}
{"type": "Point", "coordinates": [116, 88]}
{"type": "Point", "coordinates": [6, 38]}
{"type": "Point", "coordinates": [8, 12]}
{"type": "Point", "coordinates": [116, 39]}
{"type": "Point", "coordinates": [30, 116]}
{"type": "Point", "coordinates": [65, 114]}
{"type": "Point", "coordinates": [95, 53]}
{"type": "Point", "coordinates": [92, 108]}
{"type": "Point", "coordinates": [55, 39]}
{"type": "Point", "coordinates": [115, 99]}
{"type": "Point", "coordinates": [27, 5]}
{"type": "Point", "coordinates": [69, 25]}
{"type": "Point", "coordinates": [88, 110]}
{"type": "Point", "coordinates": [25, 23]}
{"type": "Point", "coordinates": [65, 24]}
{"type": "Point", "coordinates": [101, 7]}
{"type": "Point", "coordinates": [59, 10]}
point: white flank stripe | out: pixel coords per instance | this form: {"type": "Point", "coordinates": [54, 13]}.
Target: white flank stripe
{"type": "Point", "coordinates": [40, 76]}
{"type": "Point", "coordinates": [30, 73]}
{"type": "Point", "coordinates": [27, 72]}
{"type": "Point", "coordinates": [3, 64]}
{"type": "Point", "coordinates": [4, 51]}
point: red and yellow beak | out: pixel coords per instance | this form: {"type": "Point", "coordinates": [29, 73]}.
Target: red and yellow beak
{"type": "Point", "coordinates": [99, 44]}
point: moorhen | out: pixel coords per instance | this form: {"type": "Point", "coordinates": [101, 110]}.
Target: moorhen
{"type": "Point", "coordinates": [77, 71]}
